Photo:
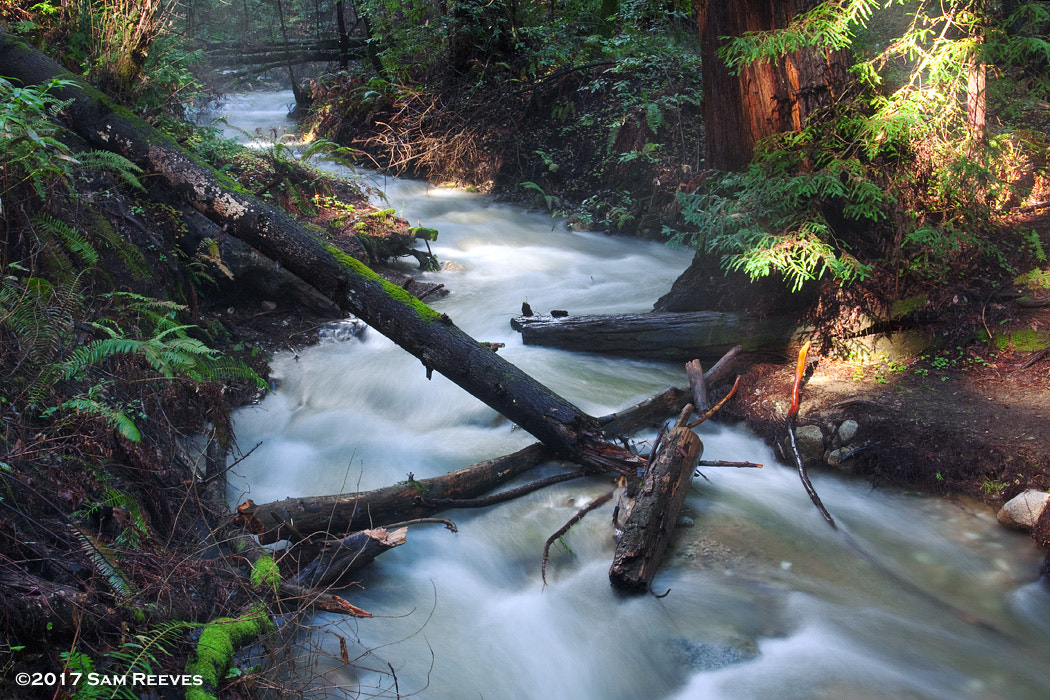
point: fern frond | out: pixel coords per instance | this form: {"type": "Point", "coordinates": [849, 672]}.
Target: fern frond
{"type": "Point", "coordinates": [72, 239]}
{"type": "Point", "coordinates": [105, 564]}
{"type": "Point", "coordinates": [117, 164]}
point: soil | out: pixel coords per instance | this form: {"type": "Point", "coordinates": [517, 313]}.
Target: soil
{"type": "Point", "coordinates": [971, 419]}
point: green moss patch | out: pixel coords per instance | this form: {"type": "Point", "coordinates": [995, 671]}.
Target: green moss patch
{"type": "Point", "coordinates": [395, 292]}
{"type": "Point", "coordinates": [216, 646]}
{"type": "Point", "coordinates": [1023, 340]}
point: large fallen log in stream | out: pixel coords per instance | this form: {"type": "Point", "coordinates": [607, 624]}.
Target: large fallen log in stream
{"type": "Point", "coordinates": [657, 335]}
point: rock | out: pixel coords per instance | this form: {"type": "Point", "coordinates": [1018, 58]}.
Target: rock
{"type": "Point", "coordinates": [834, 458]}
{"type": "Point", "coordinates": [810, 440]}
{"type": "Point", "coordinates": [848, 431]}
{"type": "Point", "coordinates": [1022, 512]}
{"type": "Point", "coordinates": [269, 305]}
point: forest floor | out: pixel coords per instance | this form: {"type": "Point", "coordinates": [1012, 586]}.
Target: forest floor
{"type": "Point", "coordinates": [972, 420]}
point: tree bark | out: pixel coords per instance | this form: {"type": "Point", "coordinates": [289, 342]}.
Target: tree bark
{"type": "Point", "coordinates": [654, 335]}
{"type": "Point", "coordinates": [430, 336]}
{"type": "Point", "coordinates": [294, 518]}
{"type": "Point", "coordinates": [334, 561]}
{"type": "Point", "coordinates": [765, 98]}
{"type": "Point", "coordinates": [654, 511]}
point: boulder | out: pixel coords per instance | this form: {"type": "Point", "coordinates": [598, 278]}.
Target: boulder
{"type": "Point", "coordinates": [1022, 511]}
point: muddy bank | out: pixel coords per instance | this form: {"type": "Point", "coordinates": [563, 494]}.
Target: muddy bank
{"type": "Point", "coordinates": [977, 429]}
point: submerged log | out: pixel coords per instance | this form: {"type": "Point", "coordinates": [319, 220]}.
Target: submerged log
{"type": "Point", "coordinates": [654, 335]}
{"type": "Point", "coordinates": [654, 510]}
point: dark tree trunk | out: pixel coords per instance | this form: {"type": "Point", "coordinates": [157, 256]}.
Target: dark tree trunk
{"type": "Point", "coordinates": [300, 517]}
{"type": "Point", "coordinates": [664, 336]}
{"type": "Point", "coordinates": [766, 97]}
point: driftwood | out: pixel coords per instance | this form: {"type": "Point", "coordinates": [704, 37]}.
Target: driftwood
{"type": "Point", "coordinates": [335, 560]}
{"type": "Point", "coordinates": [295, 518]}
{"type": "Point", "coordinates": [652, 513]}
{"type": "Point", "coordinates": [656, 335]}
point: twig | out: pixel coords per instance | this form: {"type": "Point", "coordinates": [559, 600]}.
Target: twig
{"type": "Point", "coordinates": [449, 525]}
{"type": "Point", "coordinates": [714, 409]}
{"type": "Point", "coordinates": [502, 496]}
{"type": "Point", "coordinates": [723, 463]}
{"type": "Point", "coordinates": [800, 371]}
{"type": "Point", "coordinates": [597, 503]}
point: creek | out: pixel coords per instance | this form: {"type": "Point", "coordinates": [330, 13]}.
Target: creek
{"type": "Point", "coordinates": [765, 600]}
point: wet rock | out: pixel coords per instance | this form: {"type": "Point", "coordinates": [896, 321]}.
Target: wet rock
{"type": "Point", "coordinates": [1022, 512]}
{"type": "Point", "coordinates": [342, 331]}
{"type": "Point", "coordinates": [702, 656]}
{"type": "Point", "coordinates": [684, 521]}
{"type": "Point", "coordinates": [835, 458]}
{"type": "Point", "coordinates": [848, 431]}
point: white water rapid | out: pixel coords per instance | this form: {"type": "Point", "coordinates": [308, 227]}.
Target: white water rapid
{"type": "Point", "coordinates": [765, 600]}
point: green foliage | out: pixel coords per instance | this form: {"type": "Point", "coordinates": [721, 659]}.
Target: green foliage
{"type": "Point", "coordinates": [901, 172]}
{"type": "Point", "coordinates": [141, 653]}
{"type": "Point", "coordinates": [772, 218]}
{"type": "Point", "coordinates": [216, 646]}
{"type": "Point", "coordinates": [30, 149]}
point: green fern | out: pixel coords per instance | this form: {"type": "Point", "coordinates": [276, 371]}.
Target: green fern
{"type": "Point", "coordinates": [105, 564]}
{"type": "Point", "coordinates": [90, 404]}
{"type": "Point", "coordinates": [72, 239]}
{"type": "Point", "coordinates": [126, 171]}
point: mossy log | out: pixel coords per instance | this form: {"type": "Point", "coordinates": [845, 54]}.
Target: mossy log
{"type": "Point", "coordinates": [706, 335]}
{"type": "Point", "coordinates": [432, 337]}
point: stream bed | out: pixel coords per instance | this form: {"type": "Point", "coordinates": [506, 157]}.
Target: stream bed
{"type": "Point", "coordinates": [765, 600]}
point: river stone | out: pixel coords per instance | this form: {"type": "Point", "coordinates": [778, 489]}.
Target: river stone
{"type": "Point", "coordinates": [810, 441]}
{"type": "Point", "coordinates": [1023, 511]}
{"type": "Point", "coordinates": [834, 458]}
{"type": "Point", "coordinates": [702, 656]}
{"type": "Point", "coordinates": [848, 431]}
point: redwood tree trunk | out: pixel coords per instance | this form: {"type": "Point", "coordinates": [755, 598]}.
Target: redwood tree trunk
{"type": "Point", "coordinates": [766, 97]}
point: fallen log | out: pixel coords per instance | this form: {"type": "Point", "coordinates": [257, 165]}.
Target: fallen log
{"type": "Point", "coordinates": [706, 335]}
{"type": "Point", "coordinates": [333, 561]}
{"type": "Point", "coordinates": [430, 336]}
{"type": "Point", "coordinates": [653, 512]}
{"type": "Point", "coordinates": [297, 518]}
{"type": "Point", "coordinates": [294, 518]}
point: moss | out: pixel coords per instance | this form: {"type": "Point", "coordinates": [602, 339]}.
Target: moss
{"type": "Point", "coordinates": [906, 306]}
{"type": "Point", "coordinates": [395, 292]}
{"type": "Point", "coordinates": [215, 648]}
{"type": "Point", "coordinates": [381, 214]}
{"type": "Point", "coordinates": [265, 572]}
{"type": "Point", "coordinates": [423, 233]}
{"type": "Point", "coordinates": [1023, 340]}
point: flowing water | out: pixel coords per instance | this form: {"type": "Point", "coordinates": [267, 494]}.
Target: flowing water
{"type": "Point", "coordinates": [765, 600]}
